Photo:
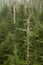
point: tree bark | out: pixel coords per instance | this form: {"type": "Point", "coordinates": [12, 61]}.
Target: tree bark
{"type": "Point", "coordinates": [28, 32]}
{"type": "Point", "coordinates": [14, 11]}
{"type": "Point", "coordinates": [28, 42]}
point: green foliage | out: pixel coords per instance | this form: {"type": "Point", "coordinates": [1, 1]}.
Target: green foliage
{"type": "Point", "coordinates": [6, 35]}
{"type": "Point", "coordinates": [36, 39]}
{"type": "Point", "coordinates": [13, 38]}
{"type": "Point", "coordinates": [20, 36]}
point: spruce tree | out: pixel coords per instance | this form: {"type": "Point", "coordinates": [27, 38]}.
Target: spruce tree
{"type": "Point", "coordinates": [20, 36]}
{"type": "Point", "coordinates": [6, 36]}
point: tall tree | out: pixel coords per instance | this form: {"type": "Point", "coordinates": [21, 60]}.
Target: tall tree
{"type": "Point", "coordinates": [20, 34]}
{"type": "Point", "coordinates": [6, 36]}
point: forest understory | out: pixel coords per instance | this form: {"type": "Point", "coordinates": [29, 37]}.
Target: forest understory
{"type": "Point", "coordinates": [21, 34]}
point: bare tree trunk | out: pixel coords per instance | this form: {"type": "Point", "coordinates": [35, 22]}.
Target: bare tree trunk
{"type": "Point", "coordinates": [39, 6]}
{"type": "Point", "coordinates": [28, 42]}
{"type": "Point", "coordinates": [14, 11]}
{"type": "Point", "coordinates": [28, 38]}
{"type": "Point", "coordinates": [28, 32]}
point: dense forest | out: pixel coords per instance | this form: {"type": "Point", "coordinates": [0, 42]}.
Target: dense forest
{"type": "Point", "coordinates": [21, 33]}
